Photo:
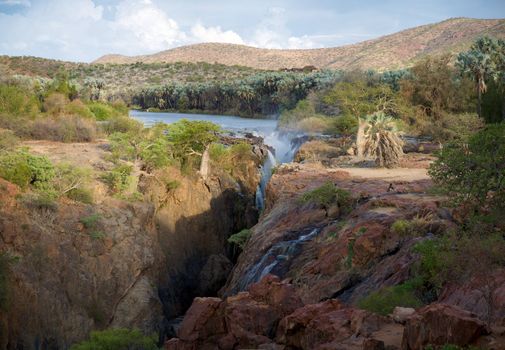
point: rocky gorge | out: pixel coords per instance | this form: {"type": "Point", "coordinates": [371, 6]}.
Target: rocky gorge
{"type": "Point", "coordinates": [163, 265]}
{"type": "Point", "coordinates": [119, 263]}
{"type": "Point", "coordinates": [300, 280]}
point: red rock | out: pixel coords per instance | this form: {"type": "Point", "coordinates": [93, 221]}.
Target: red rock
{"type": "Point", "coordinates": [315, 324]}
{"type": "Point", "coordinates": [440, 324]}
{"type": "Point", "coordinates": [483, 295]}
{"type": "Point", "coordinates": [201, 320]}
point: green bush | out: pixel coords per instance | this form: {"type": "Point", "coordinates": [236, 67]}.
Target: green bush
{"type": "Point", "coordinates": [155, 154]}
{"type": "Point", "coordinates": [327, 195]}
{"type": "Point", "coordinates": [8, 141]}
{"type": "Point", "coordinates": [345, 125]}
{"type": "Point", "coordinates": [386, 299]}
{"type": "Point", "coordinates": [15, 101]}
{"type": "Point", "coordinates": [90, 221]}
{"type": "Point", "coordinates": [240, 238]}
{"type": "Point", "coordinates": [118, 339]}
{"type": "Point", "coordinates": [72, 181]}
{"type": "Point", "coordinates": [76, 107]}
{"type": "Point", "coordinates": [123, 124]}
{"type": "Point", "coordinates": [102, 111]}
{"type": "Point", "coordinates": [472, 174]}
{"type": "Point", "coordinates": [25, 169]}
{"type": "Point", "coordinates": [118, 179]}
{"type": "Point", "coordinates": [41, 200]}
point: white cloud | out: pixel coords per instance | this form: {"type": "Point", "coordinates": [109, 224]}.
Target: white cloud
{"type": "Point", "coordinates": [272, 31]}
{"type": "Point", "coordinates": [150, 26]}
{"type": "Point", "coordinates": [201, 33]}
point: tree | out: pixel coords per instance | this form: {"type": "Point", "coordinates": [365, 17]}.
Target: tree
{"type": "Point", "coordinates": [473, 173]}
{"type": "Point", "coordinates": [479, 63]}
{"type": "Point", "coordinates": [379, 139]}
{"type": "Point", "coordinates": [189, 139]}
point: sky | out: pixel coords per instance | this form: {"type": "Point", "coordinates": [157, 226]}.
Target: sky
{"type": "Point", "coordinates": [83, 30]}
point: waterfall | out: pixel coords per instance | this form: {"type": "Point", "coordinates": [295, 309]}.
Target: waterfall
{"type": "Point", "coordinates": [266, 173]}
{"type": "Point", "coordinates": [277, 259]}
{"type": "Point", "coordinates": [285, 147]}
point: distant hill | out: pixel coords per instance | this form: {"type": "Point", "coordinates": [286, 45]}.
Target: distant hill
{"type": "Point", "coordinates": [388, 52]}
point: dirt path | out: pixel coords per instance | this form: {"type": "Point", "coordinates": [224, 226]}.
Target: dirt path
{"type": "Point", "coordinates": [398, 174]}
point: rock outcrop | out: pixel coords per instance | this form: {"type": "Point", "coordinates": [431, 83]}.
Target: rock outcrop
{"type": "Point", "coordinates": [119, 263]}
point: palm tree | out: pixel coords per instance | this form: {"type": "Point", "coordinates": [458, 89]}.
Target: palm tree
{"type": "Point", "coordinates": [377, 137]}
{"type": "Point", "coordinates": [478, 62]}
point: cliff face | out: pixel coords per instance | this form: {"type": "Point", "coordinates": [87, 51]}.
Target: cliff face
{"type": "Point", "coordinates": [79, 267]}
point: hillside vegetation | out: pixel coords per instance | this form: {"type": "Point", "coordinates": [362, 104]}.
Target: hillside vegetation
{"type": "Point", "coordinates": [388, 52]}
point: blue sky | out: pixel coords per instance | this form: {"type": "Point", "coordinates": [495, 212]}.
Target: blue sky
{"type": "Point", "coordinates": [83, 30]}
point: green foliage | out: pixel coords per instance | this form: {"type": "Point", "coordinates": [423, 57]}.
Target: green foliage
{"type": "Point", "coordinates": [240, 238]}
{"type": "Point", "coordinates": [103, 111]}
{"type": "Point", "coordinates": [118, 339]}
{"type": "Point", "coordinates": [156, 153]}
{"type": "Point", "coordinates": [437, 257]}
{"type": "Point", "coordinates": [473, 174]}
{"type": "Point", "coordinates": [44, 200]}
{"type": "Point", "coordinates": [386, 299]}
{"type": "Point", "coordinates": [358, 99]}
{"type": "Point", "coordinates": [417, 226]}
{"type": "Point", "coordinates": [90, 221]}
{"type": "Point", "coordinates": [188, 140]}
{"type": "Point", "coordinates": [76, 107]}
{"type": "Point", "coordinates": [8, 141]}
{"type": "Point", "coordinates": [118, 179]}
{"type": "Point", "coordinates": [15, 101]}
{"type": "Point", "coordinates": [23, 169]}
{"type": "Point", "coordinates": [327, 195]}
{"type": "Point", "coordinates": [73, 182]}
{"type": "Point", "coordinates": [123, 124]}
{"type": "Point", "coordinates": [345, 125]}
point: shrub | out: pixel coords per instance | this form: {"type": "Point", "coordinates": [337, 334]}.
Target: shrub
{"type": "Point", "coordinates": [41, 200]}
{"type": "Point", "coordinates": [326, 195]}
{"type": "Point", "coordinates": [55, 103]}
{"type": "Point", "coordinates": [91, 220]}
{"type": "Point", "coordinates": [8, 141]}
{"type": "Point", "coordinates": [25, 169]}
{"type": "Point", "coordinates": [15, 101]}
{"type": "Point", "coordinates": [64, 129]}
{"type": "Point", "coordinates": [118, 178]}
{"type": "Point", "coordinates": [155, 154]}
{"type": "Point", "coordinates": [418, 226]}
{"type": "Point", "coordinates": [240, 238]}
{"type": "Point", "coordinates": [472, 174]}
{"type": "Point", "coordinates": [123, 124]}
{"type": "Point", "coordinates": [386, 299]}
{"type": "Point", "coordinates": [76, 107]}
{"type": "Point", "coordinates": [102, 111]}
{"type": "Point", "coordinates": [345, 125]}
{"type": "Point", "coordinates": [118, 339]}
{"type": "Point", "coordinates": [72, 181]}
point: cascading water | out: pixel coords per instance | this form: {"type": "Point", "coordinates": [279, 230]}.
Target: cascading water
{"type": "Point", "coordinates": [266, 173]}
{"type": "Point", "coordinates": [285, 150]}
{"type": "Point", "coordinates": [277, 259]}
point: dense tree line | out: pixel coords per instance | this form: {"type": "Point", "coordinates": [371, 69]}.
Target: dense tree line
{"type": "Point", "coordinates": [263, 93]}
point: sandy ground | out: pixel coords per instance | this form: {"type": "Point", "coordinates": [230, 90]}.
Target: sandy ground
{"type": "Point", "coordinates": [398, 174]}
{"type": "Point", "coordinates": [89, 154]}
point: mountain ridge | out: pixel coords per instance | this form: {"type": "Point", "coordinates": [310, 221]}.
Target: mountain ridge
{"type": "Point", "coordinates": [390, 51]}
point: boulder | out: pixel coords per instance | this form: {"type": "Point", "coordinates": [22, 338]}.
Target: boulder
{"type": "Point", "coordinates": [401, 314]}
{"type": "Point", "coordinates": [440, 324]}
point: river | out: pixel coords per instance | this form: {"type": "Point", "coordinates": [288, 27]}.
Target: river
{"type": "Point", "coordinates": [266, 128]}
